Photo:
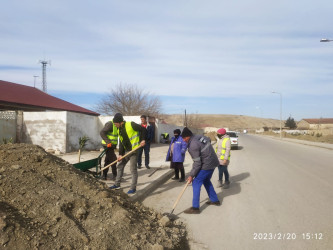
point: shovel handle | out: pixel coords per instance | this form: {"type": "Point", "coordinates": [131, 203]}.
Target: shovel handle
{"type": "Point", "coordinates": [155, 171]}
{"type": "Point", "coordinates": [180, 196]}
{"type": "Point", "coordinates": [130, 152]}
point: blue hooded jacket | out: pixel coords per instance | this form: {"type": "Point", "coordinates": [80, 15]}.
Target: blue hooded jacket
{"type": "Point", "coordinates": [179, 149]}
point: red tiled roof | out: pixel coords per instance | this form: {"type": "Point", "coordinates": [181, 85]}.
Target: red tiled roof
{"type": "Point", "coordinates": [21, 97]}
{"type": "Point", "coordinates": [319, 121]}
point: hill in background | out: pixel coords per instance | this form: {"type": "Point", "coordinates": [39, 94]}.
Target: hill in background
{"type": "Point", "coordinates": [232, 122]}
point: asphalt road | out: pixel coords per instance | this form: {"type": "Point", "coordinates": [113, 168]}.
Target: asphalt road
{"type": "Point", "coordinates": [281, 197]}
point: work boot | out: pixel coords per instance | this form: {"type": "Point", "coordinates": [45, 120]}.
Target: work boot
{"type": "Point", "coordinates": [226, 185]}
{"type": "Point", "coordinates": [181, 180]}
{"type": "Point", "coordinates": [116, 187]}
{"type": "Point", "coordinates": [139, 166]}
{"type": "Point", "coordinates": [131, 191]}
{"type": "Point", "coordinates": [147, 167]}
{"type": "Point", "coordinates": [192, 210]}
{"type": "Point", "coordinates": [219, 183]}
{"type": "Point", "coordinates": [216, 203]}
{"type": "Point", "coordinates": [175, 178]}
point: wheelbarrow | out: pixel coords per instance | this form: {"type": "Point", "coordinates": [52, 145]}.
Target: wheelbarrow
{"type": "Point", "coordinates": [96, 162]}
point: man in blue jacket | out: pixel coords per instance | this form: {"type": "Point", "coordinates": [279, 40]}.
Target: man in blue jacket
{"type": "Point", "coordinates": [204, 163]}
{"type": "Point", "coordinates": [176, 154]}
{"type": "Point", "coordinates": [149, 139]}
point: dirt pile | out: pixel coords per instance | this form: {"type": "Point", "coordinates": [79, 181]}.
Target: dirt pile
{"type": "Point", "coordinates": [45, 203]}
{"type": "Point", "coordinates": [212, 135]}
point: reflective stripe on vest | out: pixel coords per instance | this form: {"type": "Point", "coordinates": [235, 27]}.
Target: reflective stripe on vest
{"type": "Point", "coordinates": [224, 142]}
{"type": "Point", "coordinates": [113, 136]}
{"type": "Point", "coordinates": [133, 135]}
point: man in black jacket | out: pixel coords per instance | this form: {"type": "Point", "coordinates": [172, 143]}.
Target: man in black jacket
{"type": "Point", "coordinates": [149, 139]}
{"type": "Point", "coordinates": [110, 141]}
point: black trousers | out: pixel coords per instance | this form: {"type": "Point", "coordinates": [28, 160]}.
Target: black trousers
{"type": "Point", "coordinates": [179, 167]}
{"type": "Point", "coordinates": [110, 157]}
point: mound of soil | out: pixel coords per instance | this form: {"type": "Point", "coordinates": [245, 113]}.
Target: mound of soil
{"type": "Point", "coordinates": [45, 203]}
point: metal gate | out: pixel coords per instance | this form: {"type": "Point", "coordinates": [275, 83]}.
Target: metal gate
{"type": "Point", "coordinates": [7, 126]}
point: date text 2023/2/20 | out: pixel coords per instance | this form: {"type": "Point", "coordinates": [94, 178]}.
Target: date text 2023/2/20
{"type": "Point", "coordinates": [287, 236]}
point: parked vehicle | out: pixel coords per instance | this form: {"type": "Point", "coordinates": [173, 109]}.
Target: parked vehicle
{"type": "Point", "coordinates": [233, 139]}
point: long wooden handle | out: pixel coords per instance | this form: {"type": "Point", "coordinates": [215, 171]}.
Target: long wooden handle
{"type": "Point", "coordinates": [179, 196]}
{"type": "Point", "coordinates": [155, 171]}
{"type": "Point", "coordinates": [130, 152]}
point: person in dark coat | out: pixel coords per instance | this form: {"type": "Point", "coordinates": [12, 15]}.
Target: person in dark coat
{"type": "Point", "coordinates": [149, 139]}
{"type": "Point", "coordinates": [204, 163]}
{"type": "Point", "coordinates": [109, 142]}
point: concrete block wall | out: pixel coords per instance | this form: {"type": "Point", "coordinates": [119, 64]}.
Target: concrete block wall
{"type": "Point", "coordinates": [46, 129]}
{"type": "Point", "coordinates": [79, 125]}
{"type": "Point", "coordinates": [61, 130]}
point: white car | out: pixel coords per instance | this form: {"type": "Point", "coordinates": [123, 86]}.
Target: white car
{"type": "Point", "coordinates": [233, 139]}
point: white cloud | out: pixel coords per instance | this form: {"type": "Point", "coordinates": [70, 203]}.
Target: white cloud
{"type": "Point", "coordinates": [212, 48]}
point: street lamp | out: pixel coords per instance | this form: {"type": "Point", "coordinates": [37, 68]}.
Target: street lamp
{"type": "Point", "coordinates": [274, 92]}
{"type": "Point", "coordinates": [325, 40]}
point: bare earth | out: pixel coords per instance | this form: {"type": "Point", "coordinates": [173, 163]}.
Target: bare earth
{"type": "Point", "coordinates": [45, 203]}
{"type": "Point", "coordinates": [233, 122]}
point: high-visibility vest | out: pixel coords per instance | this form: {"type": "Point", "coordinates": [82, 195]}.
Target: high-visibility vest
{"type": "Point", "coordinates": [133, 135]}
{"type": "Point", "coordinates": [165, 135]}
{"type": "Point", "coordinates": [113, 136]}
{"type": "Point", "coordinates": [224, 142]}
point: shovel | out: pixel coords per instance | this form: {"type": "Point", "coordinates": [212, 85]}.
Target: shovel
{"type": "Point", "coordinates": [176, 202]}
{"type": "Point", "coordinates": [130, 152]}
{"type": "Point", "coordinates": [155, 171]}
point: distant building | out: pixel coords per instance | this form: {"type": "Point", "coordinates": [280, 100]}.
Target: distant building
{"type": "Point", "coordinates": [312, 124]}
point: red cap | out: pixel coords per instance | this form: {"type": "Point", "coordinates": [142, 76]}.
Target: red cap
{"type": "Point", "coordinates": [221, 131]}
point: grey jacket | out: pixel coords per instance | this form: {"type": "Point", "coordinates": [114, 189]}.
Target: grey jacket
{"type": "Point", "coordinates": [202, 153]}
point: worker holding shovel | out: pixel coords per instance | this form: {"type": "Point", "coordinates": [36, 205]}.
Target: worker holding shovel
{"type": "Point", "coordinates": [204, 163]}
{"type": "Point", "coordinates": [109, 142]}
{"type": "Point", "coordinates": [131, 136]}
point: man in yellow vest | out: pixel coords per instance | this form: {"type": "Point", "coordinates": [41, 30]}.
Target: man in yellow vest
{"type": "Point", "coordinates": [131, 136]}
{"type": "Point", "coordinates": [110, 141]}
{"type": "Point", "coordinates": [222, 150]}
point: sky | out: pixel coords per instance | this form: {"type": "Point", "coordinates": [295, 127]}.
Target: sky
{"type": "Point", "coordinates": [208, 57]}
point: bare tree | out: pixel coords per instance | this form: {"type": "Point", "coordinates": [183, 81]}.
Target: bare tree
{"type": "Point", "coordinates": [128, 99]}
{"type": "Point", "coordinates": [194, 121]}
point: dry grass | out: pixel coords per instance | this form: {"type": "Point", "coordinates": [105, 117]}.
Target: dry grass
{"type": "Point", "coordinates": [314, 137]}
{"type": "Point", "coordinates": [232, 122]}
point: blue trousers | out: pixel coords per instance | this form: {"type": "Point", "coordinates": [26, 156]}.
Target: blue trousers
{"type": "Point", "coordinates": [203, 177]}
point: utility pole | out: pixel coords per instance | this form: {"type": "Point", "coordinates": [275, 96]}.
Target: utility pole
{"type": "Point", "coordinates": [44, 84]}
{"type": "Point", "coordinates": [35, 81]}
{"type": "Point", "coordinates": [185, 120]}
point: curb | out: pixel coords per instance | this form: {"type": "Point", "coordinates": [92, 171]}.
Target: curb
{"type": "Point", "coordinates": [143, 193]}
